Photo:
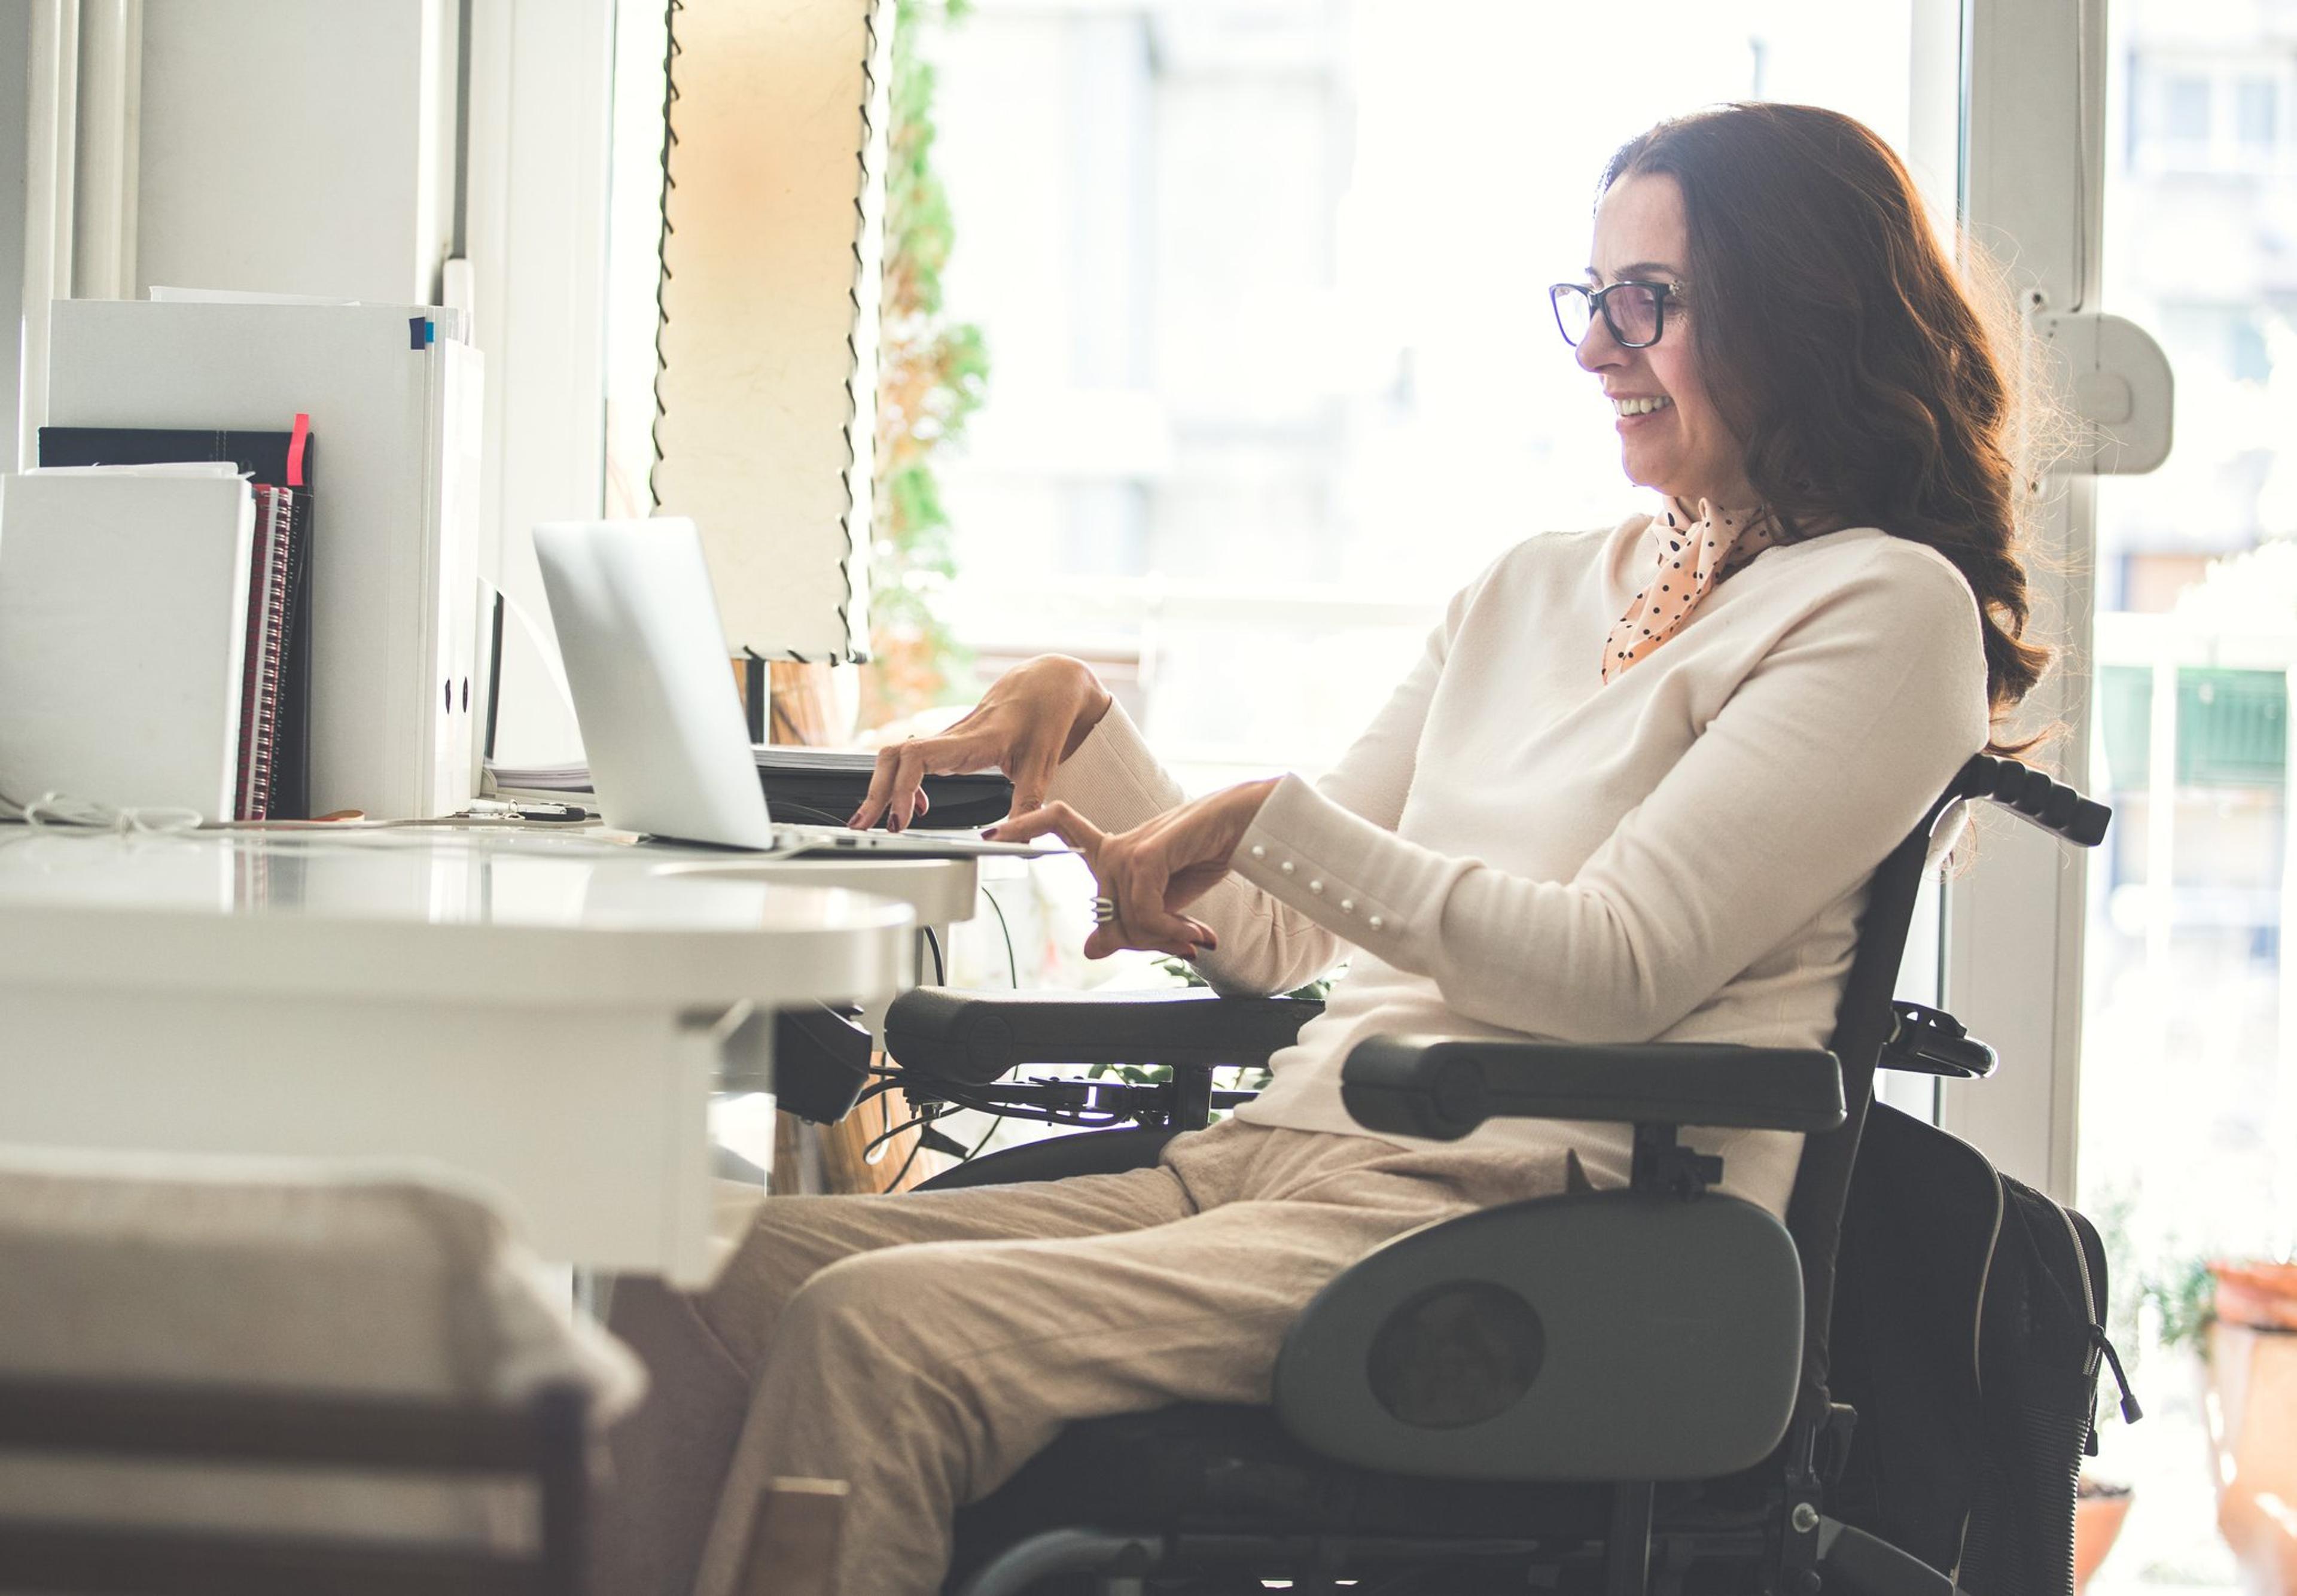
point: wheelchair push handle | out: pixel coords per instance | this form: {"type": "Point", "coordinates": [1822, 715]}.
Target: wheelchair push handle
{"type": "Point", "coordinates": [2034, 797]}
{"type": "Point", "coordinates": [1930, 1041]}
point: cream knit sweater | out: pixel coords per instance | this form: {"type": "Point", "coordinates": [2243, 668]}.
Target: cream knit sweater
{"type": "Point", "coordinates": [1515, 847]}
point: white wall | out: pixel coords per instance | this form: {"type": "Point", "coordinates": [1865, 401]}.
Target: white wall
{"type": "Point", "coordinates": [298, 146]}
{"type": "Point", "coordinates": [541, 96]}
{"type": "Point", "coordinates": [322, 146]}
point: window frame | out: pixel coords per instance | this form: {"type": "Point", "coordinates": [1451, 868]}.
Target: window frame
{"type": "Point", "coordinates": [2032, 177]}
{"type": "Point", "coordinates": [538, 116]}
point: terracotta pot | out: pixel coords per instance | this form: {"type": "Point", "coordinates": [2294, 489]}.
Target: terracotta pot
{"type": "Point", "coordinates": [2262, 1295]}
{"type": "Point", "coordinates": [2098, 1513]}
{"type": "Point", "coordinates": [2251, 1409]}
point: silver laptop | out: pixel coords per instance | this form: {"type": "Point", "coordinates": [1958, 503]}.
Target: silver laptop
{"type": "Point", "coordinates": [670, 755]}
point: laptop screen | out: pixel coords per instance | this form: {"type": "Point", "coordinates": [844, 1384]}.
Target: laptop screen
{"type": "Point", "coordinates": [654, 695]}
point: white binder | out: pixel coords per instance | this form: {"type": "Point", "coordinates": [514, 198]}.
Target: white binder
{"type": "Point", "coordinates": [123, 638]}
{"type": "Point", "coordinates": [398, 692]}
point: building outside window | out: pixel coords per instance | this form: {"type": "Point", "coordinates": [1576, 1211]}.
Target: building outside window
{"type": "Point", "coordinates": [2189, 1058]}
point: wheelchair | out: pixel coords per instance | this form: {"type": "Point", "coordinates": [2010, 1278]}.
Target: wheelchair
{"type": "Point", "coordinates": [1490, 1403]}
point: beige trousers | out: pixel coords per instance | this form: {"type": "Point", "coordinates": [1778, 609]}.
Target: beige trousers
{"type": "Point", "coordinates": [921, 1347]}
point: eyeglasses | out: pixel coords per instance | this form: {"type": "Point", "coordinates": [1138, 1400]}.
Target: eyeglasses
{"type": "Point", "coordinates": [1635, 312]}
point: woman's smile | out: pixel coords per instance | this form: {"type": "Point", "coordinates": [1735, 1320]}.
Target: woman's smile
{"type": "Point", "coordinates": [1670, 437]}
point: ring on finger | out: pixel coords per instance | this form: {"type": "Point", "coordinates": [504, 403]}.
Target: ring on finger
{"type": "Point", "coordinates": [1104, 911]}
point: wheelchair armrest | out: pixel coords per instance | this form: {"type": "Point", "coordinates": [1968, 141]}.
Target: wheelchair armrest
{"type": "Point", "coordinates": [974, 1037]}
{"type": "Point", "coordinates": [1444, 1087]}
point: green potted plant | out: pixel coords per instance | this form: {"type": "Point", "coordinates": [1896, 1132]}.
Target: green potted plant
{"type": "Point", "coordinates": [933, 374]}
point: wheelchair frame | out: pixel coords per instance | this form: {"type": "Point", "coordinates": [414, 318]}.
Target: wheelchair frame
{"type": "Point", "coordinates": [1766, 1518]}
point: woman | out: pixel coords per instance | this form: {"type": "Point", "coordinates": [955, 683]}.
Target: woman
{"type": "Point", "coordinates": [1635, 790]}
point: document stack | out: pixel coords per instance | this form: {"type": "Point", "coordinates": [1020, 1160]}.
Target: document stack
{"type": "Point", "coordinates": [145, 637]}
{"type": "Point", "coordinates": [398, 684]}
{"type": "Point", "coordinates": [280, 466]}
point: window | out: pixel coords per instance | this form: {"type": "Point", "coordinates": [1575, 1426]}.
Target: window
{"type": "Point", "coordinates": [2189, 1038]}
{"type": "Point", "coordinates": [2257, 118]}
{"type": "Point", "coordinates": [2185, 109]}
{"type": "Point", "coordinates": [2219, 113]}
{"type": "Point", "coordinates": [1263, 286]}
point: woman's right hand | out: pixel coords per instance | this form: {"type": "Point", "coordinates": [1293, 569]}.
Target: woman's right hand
{"type": "Point", "coordinates": [1032, 717]}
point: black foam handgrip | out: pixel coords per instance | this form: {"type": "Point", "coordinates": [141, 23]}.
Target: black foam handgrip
{"type": "Point", "coordinates": [2034, 797]}
{"type": "Point", "coordinates": [2086, 828]}
{"type": "Point", "coordinates": [1444, 1087]}
{"type": "Point", "coordinates": [1389, 1085]}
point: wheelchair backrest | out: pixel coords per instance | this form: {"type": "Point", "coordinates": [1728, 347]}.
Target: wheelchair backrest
{"type": "Point", "coordinates": [1864, 1021]}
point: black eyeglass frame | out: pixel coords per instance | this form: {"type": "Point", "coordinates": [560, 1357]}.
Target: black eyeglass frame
{"type": "Point", "coordinates": [1598, 305]}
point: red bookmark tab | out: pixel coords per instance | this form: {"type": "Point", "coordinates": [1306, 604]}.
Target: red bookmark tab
{"type": "Point", "coordinates": [302, 436]}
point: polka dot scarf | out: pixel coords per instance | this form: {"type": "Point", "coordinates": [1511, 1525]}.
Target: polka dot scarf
{"type": "Point", "coordinates": [1695, 555]}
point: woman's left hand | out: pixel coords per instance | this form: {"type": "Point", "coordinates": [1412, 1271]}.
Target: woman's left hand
{"type": "Point", "coordinates": [1157, 869]}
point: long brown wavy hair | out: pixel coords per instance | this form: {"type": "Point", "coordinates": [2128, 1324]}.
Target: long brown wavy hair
{"type": "Point", "coordinates": [1868, 385]}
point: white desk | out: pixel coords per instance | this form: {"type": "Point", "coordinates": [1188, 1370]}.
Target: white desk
{"type": "Point", "coordinates": [941, 890]}
{"type": "Point", "coordinates": [546, 1012]}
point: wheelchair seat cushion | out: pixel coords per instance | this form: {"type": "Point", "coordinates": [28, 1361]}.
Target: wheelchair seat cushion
{"type": "Point", "coordinates": [1199, 1467]}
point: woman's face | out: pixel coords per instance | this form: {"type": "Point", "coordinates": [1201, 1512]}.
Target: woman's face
{"type": "Point", "coordinates": [1679, 446]}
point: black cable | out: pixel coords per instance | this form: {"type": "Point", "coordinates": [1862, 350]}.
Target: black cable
{"type": "Point", "coordinates": [975, 1152]}
{"type": "Point", "coordinates": [1083, 1119]}
{"type": "Point", "coordinates": [941, 975]}
{"type": "Point", "coordinates": [884, 1137]}
{"type": "Point", "coordinates": [782, 719]}
{"type": "Point", "coordinates": [916, 1148]}
{"type": "Point", "coordinates": [1012, 965]}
